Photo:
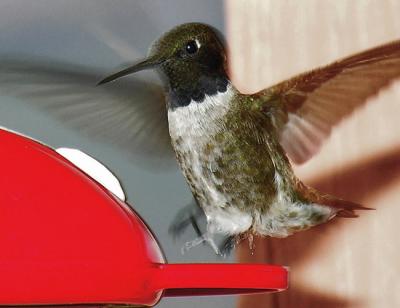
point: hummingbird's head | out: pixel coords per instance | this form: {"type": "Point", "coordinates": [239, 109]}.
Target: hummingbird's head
{"type": "Point", "coordinates": [192, 61]}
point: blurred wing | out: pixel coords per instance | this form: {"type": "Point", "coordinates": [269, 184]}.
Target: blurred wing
{"type": "Point", "coordinates": [309, 105]}
{"type": "Point", "coordinates": [129, 113]}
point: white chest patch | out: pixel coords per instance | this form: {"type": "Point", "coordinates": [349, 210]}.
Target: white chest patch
{"type": "Point", "coordinates": [197, 119]}
{"type": "Point", "coordinates": [190, 128]}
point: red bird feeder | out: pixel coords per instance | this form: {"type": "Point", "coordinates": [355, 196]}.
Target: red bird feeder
{"type": "Point", "coordinates": [65, 239]}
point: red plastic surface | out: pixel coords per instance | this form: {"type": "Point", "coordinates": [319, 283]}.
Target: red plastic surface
{"type": "Point", "coordinates": [64, 239]}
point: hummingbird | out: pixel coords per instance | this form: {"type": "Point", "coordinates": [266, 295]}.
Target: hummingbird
{"type": "Point", "coordinates": [235, 150]}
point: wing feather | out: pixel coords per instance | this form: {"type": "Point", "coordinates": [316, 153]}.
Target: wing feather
{"type": "Point", "coordinates": [314, 102]}
{"type": "Point", "coordinates": [129, 113]}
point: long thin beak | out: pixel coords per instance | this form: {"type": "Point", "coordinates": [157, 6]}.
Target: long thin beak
{"type": "Point", "coordinates": [145, 64]}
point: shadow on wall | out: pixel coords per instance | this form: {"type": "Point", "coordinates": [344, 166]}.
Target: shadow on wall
{"type": "Point", "coordinates": [359, 183]}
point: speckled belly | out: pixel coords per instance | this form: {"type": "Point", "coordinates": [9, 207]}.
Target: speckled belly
{"type": "Point", "coordinates": [228, 183]}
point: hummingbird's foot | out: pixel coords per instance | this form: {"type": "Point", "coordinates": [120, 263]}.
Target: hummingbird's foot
{"type": "Point", "coordinates": [205, 238]}
{"type": "Point", "coordinates": [227, 245]}
{"type": "Point", "coordinates": [231, 241]}
{"type": "Point", "coordinates": [189, 215]}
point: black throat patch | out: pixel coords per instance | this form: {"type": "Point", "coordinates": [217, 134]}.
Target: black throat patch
{"type": "Point", "coordinates": [181, 95]}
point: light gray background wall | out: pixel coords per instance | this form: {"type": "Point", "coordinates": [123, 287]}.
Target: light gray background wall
{"type": "Point", "coordinates": [65, 30]}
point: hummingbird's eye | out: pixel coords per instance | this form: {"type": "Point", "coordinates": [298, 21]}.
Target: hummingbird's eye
{"type": "Point", "coordinates": [192, 47]}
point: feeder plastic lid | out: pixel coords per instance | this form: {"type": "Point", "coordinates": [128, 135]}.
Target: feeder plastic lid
{"type": "Point", "coordinates": [65, 239]}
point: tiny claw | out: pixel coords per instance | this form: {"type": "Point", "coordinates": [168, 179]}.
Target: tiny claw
{"type": "Point", "coordinates": [205, 238]}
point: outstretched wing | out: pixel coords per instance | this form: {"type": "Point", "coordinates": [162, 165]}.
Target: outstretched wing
{"type": "Point", "coordinates": [305, 108]}
{"type": "Point", "coordinates": [129, 113]}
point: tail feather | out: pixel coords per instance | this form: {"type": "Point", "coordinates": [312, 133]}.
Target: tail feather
{"type": "Point", "coordinates": [345, 209]}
